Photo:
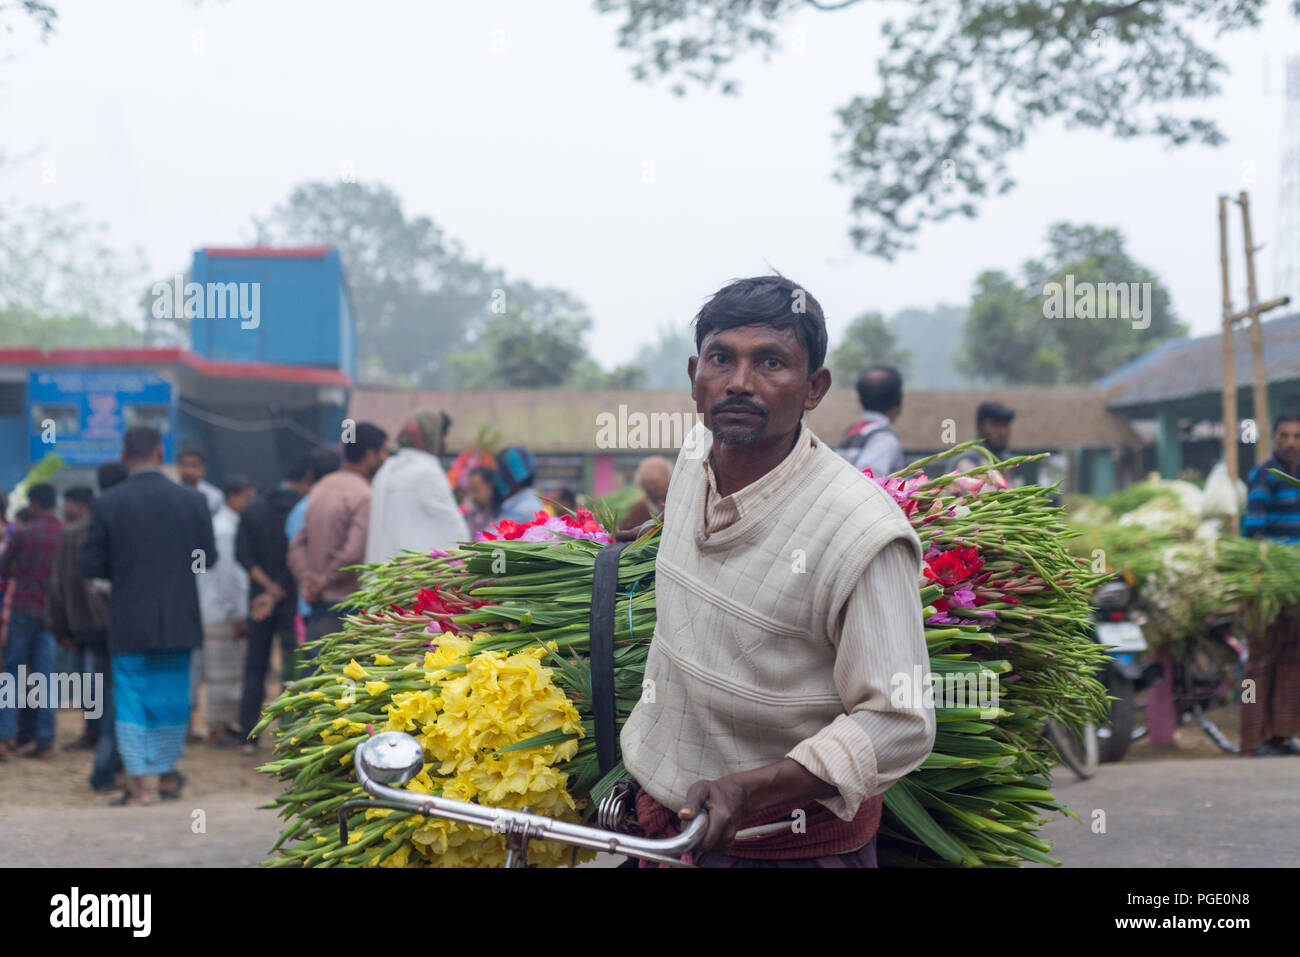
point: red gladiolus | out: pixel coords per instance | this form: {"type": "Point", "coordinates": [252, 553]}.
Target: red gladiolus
{"type": "Point", "coordinates": [954, 565]}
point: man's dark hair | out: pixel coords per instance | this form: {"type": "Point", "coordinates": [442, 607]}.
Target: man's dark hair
{"type": "Point", "coordinates": [109, 474]}
{"type": "Point", "coordinates": [24, 515]}
{"type": "Point", "coordinates": [79, 493]}
{"type": "Point", "coordinates": [368, 436]}
{"type": "Point", "coordinates": [43, 494]}
{"type": "Point", "coordinates": [322, 462]}
{"type": "Point", "coordinates": [235, 485]}
{"type": "Point", "coordinates": [486, 474]}
{"type": "Point", "coordinates": [770, 301]}
{"type": "Point", "coordinates": [1286, 415]}
{"type": "Point", "coordinates": [140, 442]}
{"type": "Point", "coordinates": [298, 470]}
{"type": "Point", "coordinates": [192, 451]}
{"type": "Point", "coordinates": [880, 388]}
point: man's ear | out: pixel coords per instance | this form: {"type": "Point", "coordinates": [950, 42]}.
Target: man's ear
{"type": "Point", "coordinates": [691, 364]}
{"type": "Point", "coordinates": [819, 384]}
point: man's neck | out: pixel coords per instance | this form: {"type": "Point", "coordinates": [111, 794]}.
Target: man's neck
{"type": "Point", "coordinates": [1291, 468]}
{"type": "Point", "coordinates": [737, 466]}
{"type": "Point", "coordinates": [355, 470]}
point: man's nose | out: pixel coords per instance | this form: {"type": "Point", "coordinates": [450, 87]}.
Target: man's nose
{"type": "Point", "coordinates": [741, 381]}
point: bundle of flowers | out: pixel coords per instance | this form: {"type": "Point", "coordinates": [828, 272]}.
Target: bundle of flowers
{"type": "Point", "coordinates": [481, 653]}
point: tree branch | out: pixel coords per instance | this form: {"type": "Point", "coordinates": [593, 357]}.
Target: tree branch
{"type": "Point", "coordinates": [837, 6]}
{"type": "Point", "coordinates": [1112, 11]}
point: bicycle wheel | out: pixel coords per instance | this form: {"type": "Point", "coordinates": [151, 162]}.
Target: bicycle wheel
{"type": "Point", "coordinates": [1077, 748]}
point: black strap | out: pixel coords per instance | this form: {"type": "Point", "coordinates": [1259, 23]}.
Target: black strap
{"type": "Point", "coordinates": [604, 593]}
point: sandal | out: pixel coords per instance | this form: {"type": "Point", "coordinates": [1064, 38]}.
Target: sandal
{"type": "Point", "coordinates": [172, 794]}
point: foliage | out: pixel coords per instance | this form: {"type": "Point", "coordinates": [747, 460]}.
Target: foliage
{"type": "Point", "coordinates": [1009, 337]}
{"type": "Point", "coordinates": [418, 296]}
{"type": "Point", "coordinates": [963, 83]}
{"type": "Point", "coordinates": [61, 282]}
{"type": "Point", "coordinates": [867, 341]}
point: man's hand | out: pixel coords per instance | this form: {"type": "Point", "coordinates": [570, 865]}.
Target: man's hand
{"type": "Point", "coordinates": [727, 802]}
{"type": "Point", "coordinates": [241, 628]}
{"type": "Point", "coordinates": [732, 799]}
{"type": "Point", "coordinates": [632, 534]}
{"type": "Point", "coordinates": [261, 608]}
{"type": "Point", "coordinates": [312, 583]}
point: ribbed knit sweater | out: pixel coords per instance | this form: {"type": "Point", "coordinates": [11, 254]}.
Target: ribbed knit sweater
{"type": "Point", "coordinates": [741, 666]}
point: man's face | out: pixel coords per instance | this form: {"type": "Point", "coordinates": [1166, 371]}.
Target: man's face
{"type": "Point", "coordinates": [480, 493]}
{"type": "Point", "coordinates": [1286, 442]}
{"type": "Point", "coordinates": [751, 384]}
{"type": "Point", "coordinates": [191, 469]}
{"type": "Point", "coordinates": [240, 502]}
{"type": "Point", "coordinates": [73, 511]}
{"type": "Point", "coordinates": [372, 460]}
{"type": "Point", "coordinates": [996, 432]}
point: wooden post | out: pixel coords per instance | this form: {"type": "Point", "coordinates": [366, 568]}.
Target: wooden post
{"type": "Point", "coordinates": [1264, 433]}
{"type": "Point", "coordinates": [1229, 353]}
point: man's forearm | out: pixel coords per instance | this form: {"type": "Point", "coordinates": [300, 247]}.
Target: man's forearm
{"type": "Point", "coordinates": [784, 782]}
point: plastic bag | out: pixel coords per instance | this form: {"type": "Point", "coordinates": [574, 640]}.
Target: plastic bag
{"type": "Point", "coordinates": [1222, 499]}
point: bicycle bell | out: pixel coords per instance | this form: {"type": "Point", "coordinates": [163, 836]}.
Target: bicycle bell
{"type": "Point", "coordinates": [392, 757]}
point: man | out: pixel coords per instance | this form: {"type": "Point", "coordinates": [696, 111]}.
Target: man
{"type": "Point", "coordinates": [651, 476]}
{"type": "Point", "coordinates": [28, 561]}
{"type": "Point", "coordinates": [516, 470]}
{"type": "Point", "coordinates": [1269, 725]}
{"type": "Point", "coordinates": [150, 538]}
{"type": "Point", "coordinates": [77, 615]}
{"type": "Point", "coordinates": [333, 533]}
{"type": "Point", "coordinates": [262, 547]}
{"type": "Point", "coordinates": [192, 465]}
{"type": "Point", "coordinates": [993, 426]}
{"type": "Point", "coordinates": [223, 608]}
{"type": "Point", "coordinates": [411, 503]}
{"type": "Point", "coordinates": [103, 773]}
{"type": "Point", "coordinates": [786, 587]}
{"type": "Point", "coordinates": [871, 442]}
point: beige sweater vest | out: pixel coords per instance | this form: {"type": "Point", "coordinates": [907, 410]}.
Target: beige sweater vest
{"type": "Point", "coordinates": [741, 665]}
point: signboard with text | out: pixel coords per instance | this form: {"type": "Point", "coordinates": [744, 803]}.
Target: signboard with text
{"type": "Point", "coordinates": [82, 414]}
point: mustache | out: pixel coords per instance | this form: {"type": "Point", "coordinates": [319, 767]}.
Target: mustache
{"type": "Point", "coordinates": [738, 405]}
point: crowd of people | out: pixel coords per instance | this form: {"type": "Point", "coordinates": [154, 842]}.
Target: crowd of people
{"type": "Point", "coordinates": [178, 592]}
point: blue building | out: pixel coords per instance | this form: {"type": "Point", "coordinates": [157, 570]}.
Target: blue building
{"type": "Point", "coordinates": [267, 377]}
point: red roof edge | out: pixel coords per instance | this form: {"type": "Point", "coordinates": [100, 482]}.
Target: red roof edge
{"type": "Point", "coordinates": [269, 252]}
{"type": "Point", "coordinates": [215, 368]}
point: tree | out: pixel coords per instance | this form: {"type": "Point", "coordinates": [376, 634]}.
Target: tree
{"type": "Point", "coordinates": [868, 341]}
{"type": "Point", "coordinates": [518, 351]}
{"type": "Point", "coordinates": [934, 338]}
{"type": "Point", "coordinates": [61, 282]}
{"type": "Point", "coordinates": [1083, 311]}
{"type": "Point", "coordinates": [963, 84]}
{"type": "Point", "coordinates": [418, 297]}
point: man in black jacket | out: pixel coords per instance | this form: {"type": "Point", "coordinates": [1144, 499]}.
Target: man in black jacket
{"type": "Point", "coordinates": [150, 537]}
{"type": "Point", "coordinates": [261, 547]}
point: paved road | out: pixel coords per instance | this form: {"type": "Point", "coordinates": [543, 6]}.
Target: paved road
{"type": "Point", "coordinates": [1205, 812]}
{"type": "Point", "coordinates": [1173, 810]}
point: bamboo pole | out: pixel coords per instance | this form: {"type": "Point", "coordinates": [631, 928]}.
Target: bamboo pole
{"type": "Point", "coordinates": [1229, 353]}
{"type": "Point", "coordinates": [1265, 440]}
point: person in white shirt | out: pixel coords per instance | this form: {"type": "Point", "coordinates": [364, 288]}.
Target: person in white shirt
{"type": "Point", "coordinates": [223, 606]}
{"type": "Point", "coordinates": [411, 501]}
{"type": "Point", "coordinates": [192, 465]}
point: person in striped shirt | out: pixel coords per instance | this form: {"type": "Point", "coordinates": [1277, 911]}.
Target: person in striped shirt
{"type": "Point", "coordinates": [1270, 723]}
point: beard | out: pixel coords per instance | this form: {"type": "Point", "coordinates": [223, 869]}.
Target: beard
{"type": "Point", "coordinates": [733, 434]}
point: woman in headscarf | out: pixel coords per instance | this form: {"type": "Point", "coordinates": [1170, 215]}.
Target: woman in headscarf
{"type": "Point", "coordinates": [516, 469]}
{"type": "Point", "coordinates": [411, 503]}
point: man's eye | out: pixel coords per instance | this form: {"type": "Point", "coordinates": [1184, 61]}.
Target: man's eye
{"type": "Point", "coordinates": [773, 363]}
